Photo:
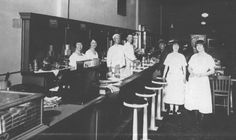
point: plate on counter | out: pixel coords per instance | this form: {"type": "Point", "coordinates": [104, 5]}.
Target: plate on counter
{"type": "Point", "coordinates": [108, 81]}
{"type": "Point", "coordinates": [147, 65]}
{"type": "Point", "coordinates": [114, 79]}
{"type": "Point", "coordinates": [137, 70]}
{"type": "Point", "coordinates": [141, 68]}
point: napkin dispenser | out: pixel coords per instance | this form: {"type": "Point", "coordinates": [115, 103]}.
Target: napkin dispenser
{"type": "Point", "coordinates": [91, 63]}
{"type": "Point", "coordinates": [88, 63]}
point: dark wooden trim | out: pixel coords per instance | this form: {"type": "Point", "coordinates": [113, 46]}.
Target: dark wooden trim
{"type": "Point", "coordinates": [25, 37]}
{"type": "Point", "coordinates": [3, 74]}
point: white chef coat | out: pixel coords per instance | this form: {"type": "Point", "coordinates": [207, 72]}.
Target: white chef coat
{"type": "Point", "coordinates": [116, 56]}
{"type": "Point", "coordinates": [129, 52]}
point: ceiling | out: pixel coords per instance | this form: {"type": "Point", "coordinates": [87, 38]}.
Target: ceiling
{"type": "Point", "coordinates": [185, 16]}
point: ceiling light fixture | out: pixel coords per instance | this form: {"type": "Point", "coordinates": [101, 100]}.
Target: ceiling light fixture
{"type": "Point", "coordinates": [203, 23]}
{"type": "Point", "coordinates": [205, 15]}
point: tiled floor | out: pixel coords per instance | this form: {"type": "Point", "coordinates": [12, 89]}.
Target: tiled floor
{"type": "Point", "coordinates": [182, 127]}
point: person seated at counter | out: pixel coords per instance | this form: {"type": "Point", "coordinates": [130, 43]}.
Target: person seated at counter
{"type": "Point", "coordinates": [159, 56]}
{"type": "Point", "coordinates": [50, 58]}
{"type": "Point", "coordinates": [77, 55]}
{"type": "Point", "coordinates": [91, 53]}
{"type": "Point", "coordinates": [116, 56]}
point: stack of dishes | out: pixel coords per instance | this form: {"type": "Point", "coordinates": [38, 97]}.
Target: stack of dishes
{"type": "Point", "coordinates": [51, 102]}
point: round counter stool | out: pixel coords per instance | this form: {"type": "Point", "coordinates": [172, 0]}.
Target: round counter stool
{"type": "Point", "coordinates": [157, 89]}
{"type": "Point", "coordinates": [161, 81]}
{"type": "Point", "coordinates": [135, 103]}
{"type": "Point", "coordinates": [146, 94]}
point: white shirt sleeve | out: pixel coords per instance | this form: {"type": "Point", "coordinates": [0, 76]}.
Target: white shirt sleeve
{"type": "Point", "coordinates": [90, 55]}
{"type": "Point", "coordinates": [167, 60]}
{"type": "Point", "coordinates": [72, 60]}
{"type": "Point", "coordinates": [109, 57]}
{"type": "Point", "coordinates": [129, 52]}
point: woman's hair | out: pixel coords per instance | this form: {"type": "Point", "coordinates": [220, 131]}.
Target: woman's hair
{"type": "Point", "coordinates": [161, 41]}
{"type": "Point", "coordinates": [203, 44]}
{"type": "Point", "coordinates": [200, 42]}
{"type": "Point", "coordinates": [93, 40]}
{"type": "Point", "coordinates": [172, 43]}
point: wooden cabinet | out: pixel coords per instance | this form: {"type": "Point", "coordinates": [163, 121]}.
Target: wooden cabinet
{"type": "Point", "coordinates": [40, 31]}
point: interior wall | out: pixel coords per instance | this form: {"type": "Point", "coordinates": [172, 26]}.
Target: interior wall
{"type": "Point", "coordinates": [10, 38]}
{"type": "Point", "coordinates": [103, 12]}
{"type": "Point", "coordinates": [150, 15]}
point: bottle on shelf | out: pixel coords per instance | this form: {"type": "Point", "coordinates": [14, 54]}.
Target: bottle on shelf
{"type": "Point", "coordinates": [30, 67]}
{"type": "Point", "coordinates": [67, 51]}
{"type": "Point", "coordinates": [35, 65]}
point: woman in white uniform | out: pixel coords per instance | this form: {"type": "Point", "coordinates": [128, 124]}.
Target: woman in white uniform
{"type": "Point", "coordinates": [175, 77]}
{"type": "Point", "coordinates": [91, 53]}
{"type": "Point", "coordinates": [198, 94]}
{"type": "Point", "coordinates": [77, 55]}
{"type": "Point", "coordinates": [77, 85]}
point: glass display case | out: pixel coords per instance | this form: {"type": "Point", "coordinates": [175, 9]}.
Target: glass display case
{"type": "Point", "coordinates": [20, 113]}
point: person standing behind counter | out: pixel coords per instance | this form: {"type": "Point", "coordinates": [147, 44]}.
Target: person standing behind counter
{"type": "Point", "coordinates": [91, 75]}
{"type": "Point", "coordinates": [116, 56]}
{"type": "Point", "coordinates": [129, 53]}
{"type": "Point", "coordinates": [77, 55]}
{"type": "Point", "coordinates": [91, 53]}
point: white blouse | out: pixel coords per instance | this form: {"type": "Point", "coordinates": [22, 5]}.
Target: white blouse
{"type": "Point", "coordinates": [74, 58]}
{"type": "Point", "coordinates": [90, 54]}
{"type": "Point", "coordinates": [201, 63]}
{"type": "Point", "coordinates": [175, 61]}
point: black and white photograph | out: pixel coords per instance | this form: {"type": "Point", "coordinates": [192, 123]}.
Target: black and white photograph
{"type": "Point", "coordinates": [117, 70]}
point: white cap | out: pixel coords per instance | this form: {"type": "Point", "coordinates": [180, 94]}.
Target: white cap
{"type": "Point", "coordinates": [115, 35]}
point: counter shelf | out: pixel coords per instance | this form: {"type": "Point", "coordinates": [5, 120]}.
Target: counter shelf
{"type": "Point", "coordinates": [21, 113]}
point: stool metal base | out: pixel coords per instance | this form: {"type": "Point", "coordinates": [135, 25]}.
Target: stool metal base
{"type": "Point", "coordinates": [145, 139]}
{"type": "Point", "coordinates": [159, 106]}
{"type": "Point", "coordinates": [159, 118]}
{"type": "Point", "coordinates": [154, 128]}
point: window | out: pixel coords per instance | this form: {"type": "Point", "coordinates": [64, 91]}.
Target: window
{"type": "Point", "coordinates": [121, 7]}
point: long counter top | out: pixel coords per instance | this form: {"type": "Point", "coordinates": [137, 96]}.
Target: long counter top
{"type": "Point", "coordinates": [69, 109]}
{"type": "Point", "coordinates": [63, 111]}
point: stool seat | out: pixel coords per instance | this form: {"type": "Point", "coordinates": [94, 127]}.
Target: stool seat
{"type": "Point", "coordinates": [152, 86]}
{"type": "Point", "coordinates": [159, 81]}
{"type": "Point", "coordinates": [158, 77]}
{"type": "Point", "coordinates": [136, 102]}
{"type": "Point", "coordinates": [145, 93]}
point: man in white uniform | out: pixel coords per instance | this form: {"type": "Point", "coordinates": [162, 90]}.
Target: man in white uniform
{"type": "Point", "coordinates": [116, 56]}
{"type": "Point", "coordinates": [129, 53]}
